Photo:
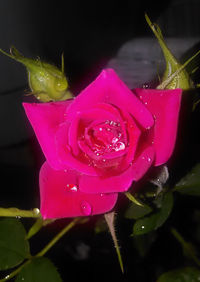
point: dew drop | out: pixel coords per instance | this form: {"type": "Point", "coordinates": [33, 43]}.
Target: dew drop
{"type": "Point", "coordinates": [142, 226]}
{"type": "Point", "coordinates": [145, 103]}
{"type": "Point", "coordinates": [104, 160]}
{"type": "Point", "coordinates": [86, 208]}
{"type": "Point", "coordinates": [71, 188]}
{"type": "Point", "coordinates": [36, 211]}
{"type": "Point", "coordinates": [148, 159]}
{"type": "Point", "coordinates": [114, 140]}
{"type": "Point", "coordinates": [120, 146]}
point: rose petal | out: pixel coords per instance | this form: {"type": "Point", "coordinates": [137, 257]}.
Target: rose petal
{"type": "Point", "coordinates": [60, 196]}
{"type": "Point", "coordinates": [121, 182]}
{"type": "Point", "coordinates": [45, 119]}
{"type": "Point", "coordinates": [108, 88]}
{"type": "Point", "coordinates": [64, 155]}
{"type": "Point", "coordinates": [164, 106]}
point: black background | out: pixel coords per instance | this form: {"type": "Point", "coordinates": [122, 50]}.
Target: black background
{"type": "Point", "coordinates": [90, 34]}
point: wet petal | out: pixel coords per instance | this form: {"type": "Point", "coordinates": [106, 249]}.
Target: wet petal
{"type": "Point", "coordinates": [45, 119]}
{"type": "Point", "coordinates": [61, 197]}
{"type": "Point", "coordinates": [164, 106]}
{"type": "Point", "coordinates": [121, 182]}
{"type": "Point", "coordinates": [108, 88]}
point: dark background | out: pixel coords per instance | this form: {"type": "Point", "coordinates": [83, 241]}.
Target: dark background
{"type": "Point", "coordinates": [90, 34]}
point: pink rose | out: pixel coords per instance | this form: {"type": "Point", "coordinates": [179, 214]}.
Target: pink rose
{"type": "Point", "coordinates": [97, 144]}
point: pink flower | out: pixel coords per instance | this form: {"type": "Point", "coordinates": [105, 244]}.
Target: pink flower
{"type": "Point", "coordinates": [97, 144]}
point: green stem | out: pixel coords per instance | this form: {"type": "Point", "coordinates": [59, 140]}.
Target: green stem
{"type": "Point", "coordinates": [14, 212]}
{"type": "Point", "coordinates": [15, 272]}
{"type": "Point", "coordinates": [57, 237]}
{"type": "Point", "coordinates": [185, 245]}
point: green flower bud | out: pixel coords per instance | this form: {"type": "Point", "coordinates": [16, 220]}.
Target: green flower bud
{"type": "Point", "coordinates": [46, 81]}
{"type": "Point", "coordinates": [175, 75]}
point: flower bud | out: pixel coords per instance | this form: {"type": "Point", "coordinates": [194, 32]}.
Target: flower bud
{"type": "Point", "coordinates": [175, 75]}
{"type": "Point", "coordinates": [46, 81]}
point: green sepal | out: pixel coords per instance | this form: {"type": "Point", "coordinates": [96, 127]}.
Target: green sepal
{"type": "Point", "coordinates": [46, 81]}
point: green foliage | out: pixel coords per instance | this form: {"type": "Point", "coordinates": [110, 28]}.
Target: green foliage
{"type": "Point", "coordinates": [39, 270]}
{"type": "Point", "coordinates": [190, 184]}
{"type": "Point", "coordinates": [154, 220]}
{"type": "Point", "coordinates": [14, 247]}
{"type": "Point", "coordinates": [135, 211]}
{"type": "Point", "coordinates": [143, 243]}
{"type": "Point", "coordinates": [187, 274]}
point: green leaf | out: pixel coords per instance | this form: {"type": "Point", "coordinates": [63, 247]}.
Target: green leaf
{"type": "Point", "coordinates": [187, 274]}
{"type": "Point", "coordinates": [143, 243]}
{"type": "Point", "coordinates": [135, 212]}
{"type": "Point", "coordinates": [156, 219]}
{"type": "Point", "coordinates": [190, 184]}
{"type": "Point", "coordinates": [14, 247]}
{"type": "Point", "coordinates": [39, 270]}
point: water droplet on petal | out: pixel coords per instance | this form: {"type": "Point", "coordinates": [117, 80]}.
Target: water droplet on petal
{"type": "Point", "coordinates": [114, 140]}
{"type": "Point", "coordinates": [86, 208]}
{"type": "Point", "coordinates": [72, 188]}
{"type": "Point", "coordinates": [149, 159]}
{"type": "Point", "coordinates": [120, 146]}
{"type": "Point", "coordinates": [104, 160]}
{"type": "Point", "coordinates": [145, 103]}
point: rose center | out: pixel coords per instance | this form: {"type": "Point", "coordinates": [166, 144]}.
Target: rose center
{"type": "Point", "coordinates": [106, 138]}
